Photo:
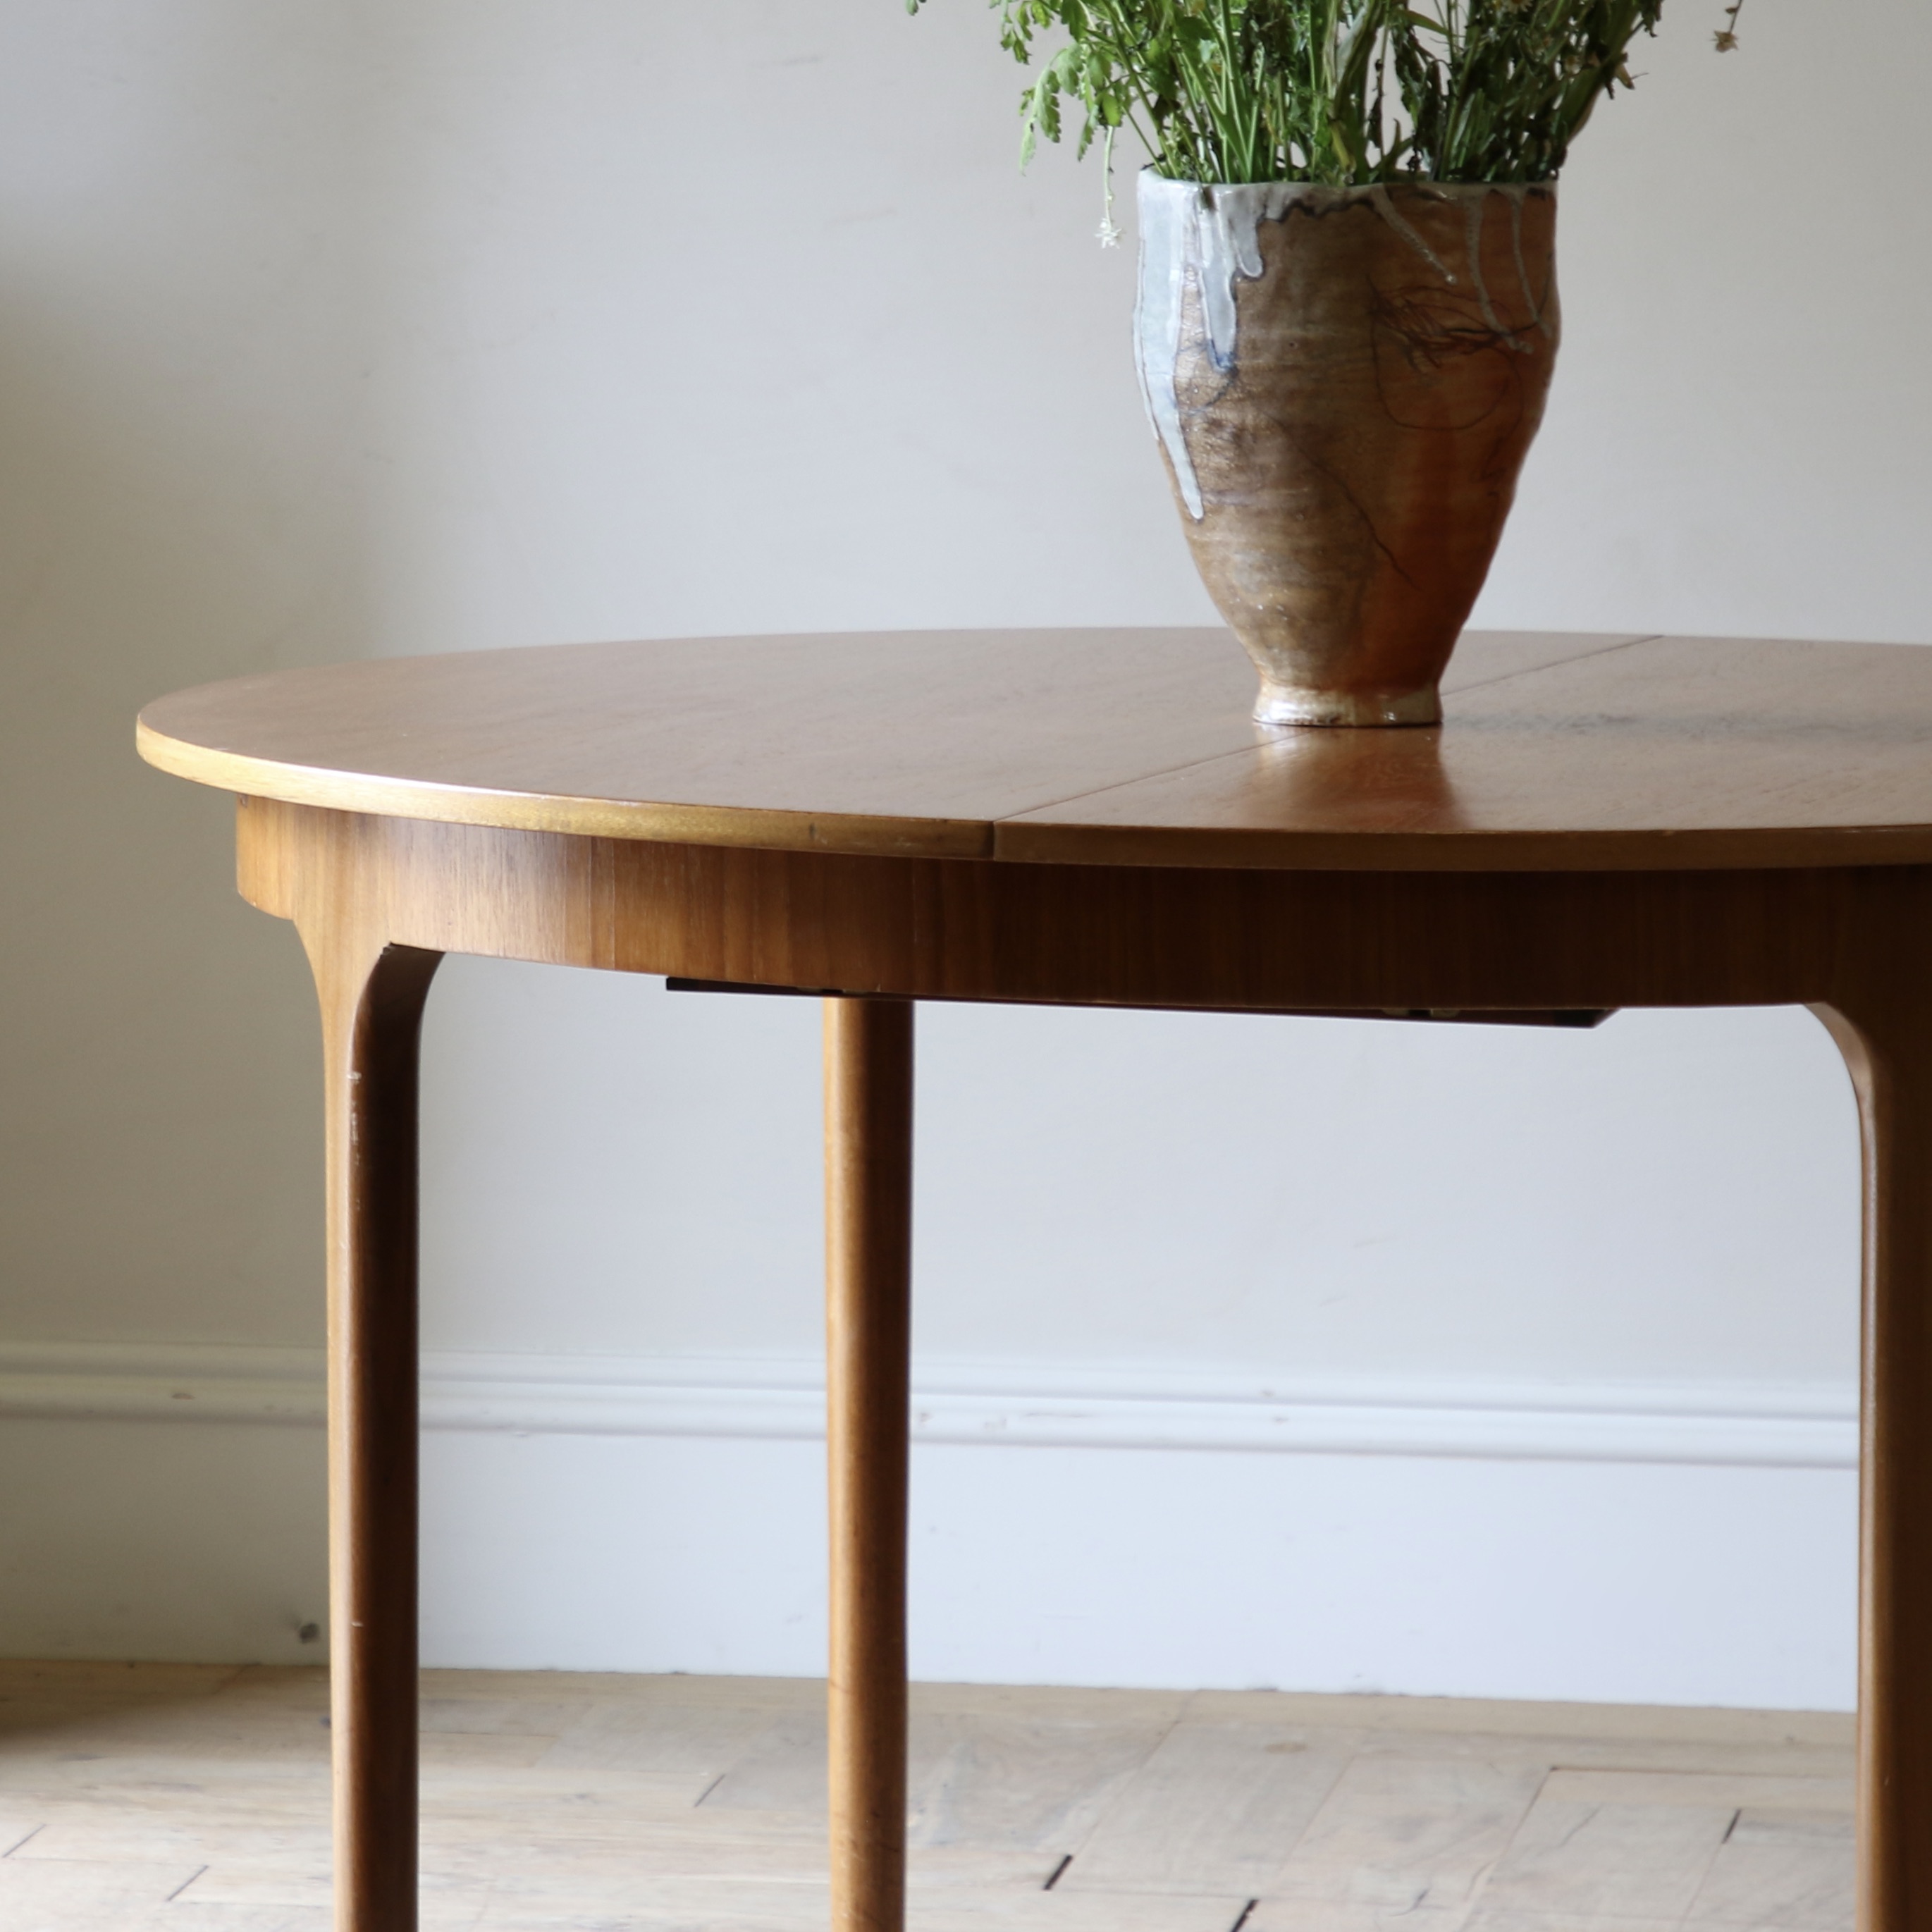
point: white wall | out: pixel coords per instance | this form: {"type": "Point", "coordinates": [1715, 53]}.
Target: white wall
{"type": "Point", "coordinates": [327, 329]}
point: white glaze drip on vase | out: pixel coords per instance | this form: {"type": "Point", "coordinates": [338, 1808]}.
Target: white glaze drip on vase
{"type": "Point", "coordinates": [1538, 306]}
{"type": "Point", "coordinates": [1472, 246]}
{"type": "Point", "coordinates": [1378, 199]}
{"type": "Point", "coordinates": [1210, 235]}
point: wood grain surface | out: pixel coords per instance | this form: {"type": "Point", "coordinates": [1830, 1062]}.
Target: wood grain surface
{"type": "Point", "coordinates": [1098, 935]}
{"type": "Point", "coordinates": [869, 1126]}
{"type": "Point", "coordinates": [1109, 748]}
{"type": "Point", "coordinates": [892, 743]}
{"type": "Point", "coordinates": [1887, 1043]}
{"type": "Point", "coordinates": [372, 996]}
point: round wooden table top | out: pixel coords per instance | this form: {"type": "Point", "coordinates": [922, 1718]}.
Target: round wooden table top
{"type": "Point", "coordinates": [1107, 747]}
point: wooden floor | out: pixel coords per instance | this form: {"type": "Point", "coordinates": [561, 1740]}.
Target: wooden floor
{"type": "Point", "coordinates": [150, 1796]}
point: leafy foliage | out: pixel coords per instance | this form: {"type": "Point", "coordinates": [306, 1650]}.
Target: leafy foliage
{"type": "Point", "coordinates": [1348, 92]}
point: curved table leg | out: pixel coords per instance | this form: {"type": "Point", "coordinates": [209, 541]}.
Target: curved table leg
{"type": "Point", "coordinates": [372, 1003]}
{"type": "Point", "coordinates": [1889, 1051]}
{"type": "Point", "coordinates": [868, 1074]}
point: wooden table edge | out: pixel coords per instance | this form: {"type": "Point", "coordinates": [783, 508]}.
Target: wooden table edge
{"type": "Point", "coordinates": [1016, 841]}
{"type": "Point", "coordinates": [664, 824]}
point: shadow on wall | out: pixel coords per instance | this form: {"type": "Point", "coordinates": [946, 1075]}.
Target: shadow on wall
{"type": "Point", "coordinates": [157, 1084]}
{"type": "Point", "coordinates": [177, 424]}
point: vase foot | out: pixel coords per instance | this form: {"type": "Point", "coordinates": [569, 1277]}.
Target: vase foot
{"type": "Point", "coordinates": [1301, 704]}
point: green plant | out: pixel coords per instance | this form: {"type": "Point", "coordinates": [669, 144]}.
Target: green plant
{"type": "Point", "coordinates": [1348, 92]}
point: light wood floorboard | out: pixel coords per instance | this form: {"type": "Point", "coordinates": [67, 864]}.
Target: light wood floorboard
{"type": "Point", "coordinates": [180, 1798]}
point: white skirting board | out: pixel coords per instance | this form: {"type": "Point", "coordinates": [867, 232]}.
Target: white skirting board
{"type": "Point", "coordinates": [756, 1400]}
{"type": "Point", "coordinates": [1667, 1545]}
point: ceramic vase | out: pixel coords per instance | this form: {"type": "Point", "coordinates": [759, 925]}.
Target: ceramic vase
{"type": "Point", "coordinates": [1345, 383]}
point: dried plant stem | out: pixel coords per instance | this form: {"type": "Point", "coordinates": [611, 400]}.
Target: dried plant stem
{"type": "Point", "coordinates": [1349, 92]}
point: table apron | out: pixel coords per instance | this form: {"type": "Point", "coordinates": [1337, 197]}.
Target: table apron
{"type": "Point", "coordinates": [1128, 936]}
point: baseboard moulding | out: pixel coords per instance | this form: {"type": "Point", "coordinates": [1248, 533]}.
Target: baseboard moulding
{"type": "Point", "coordinates": [1732, 1424]}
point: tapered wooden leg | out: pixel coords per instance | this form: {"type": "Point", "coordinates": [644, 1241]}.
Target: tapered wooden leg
{"type": "Point", "coordinates": [372, 1002]}
{"type": "Point", "coordinates": [1889, 1051]}
{"type": "Point", "coordinates": [869, 1063]}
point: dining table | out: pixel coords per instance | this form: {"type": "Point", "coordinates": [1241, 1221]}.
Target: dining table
{"type": "Point", "coordinates": [1071, 817]}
